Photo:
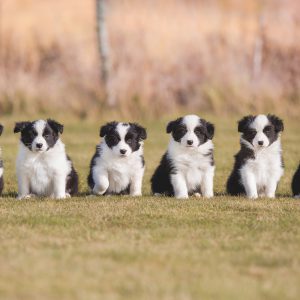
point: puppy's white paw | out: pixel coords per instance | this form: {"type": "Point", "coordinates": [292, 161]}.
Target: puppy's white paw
{"type": "Point", "coordinates": [198, 195]}
{"type": "Point", "coordinates": [22, 197]}
{"type": "Point", "coordinates": [136, 194]}
{"type": "Point", "coordinates": [182, 197]}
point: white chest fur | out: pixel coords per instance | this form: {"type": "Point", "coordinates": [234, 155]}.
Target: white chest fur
{"type": "Point", "coordinates": [261, 175]}
{"type": "Point", "coordinates": [39, 170]}
{"type": "Point", "coordinates": [120, 171]}
{"type": "Point", "coordinates": [194, 165]}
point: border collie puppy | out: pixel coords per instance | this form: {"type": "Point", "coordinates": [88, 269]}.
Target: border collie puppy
{"type": "Point", "coordinates": [43, 168]}
{"type": "Point", "coordinates": [1, 165]}
{"type": "Point", "coordinates": [187, 168]}
{"type": "Point", "coordinates": [117, 167]}
{"type": "Point", "coordinates": [258, 165]}
{"type": "Point", "coordinates": [296, 183]}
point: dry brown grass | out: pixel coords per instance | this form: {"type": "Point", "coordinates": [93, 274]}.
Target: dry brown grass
{"type": "Point", "coordinates": [166, 55]}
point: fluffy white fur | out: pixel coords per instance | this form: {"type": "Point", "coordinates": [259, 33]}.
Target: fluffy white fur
{"type": "Point", "coordinates": [261, 175]}
{"type": "Point", "coordinates": [42, 173]}
{"type": "Point", "coordinates": [193, 165]}
{"type": "Point", "coordinates": [113, 173]}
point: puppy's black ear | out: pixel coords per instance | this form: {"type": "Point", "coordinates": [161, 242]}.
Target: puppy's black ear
{"type": "Point", "coordinates": [244, 123]}
{"type": "Point", "coordinates": [20, 126]}
{"type": "Point", "coordinates": [278, 123]}
{"type": "Point", "coordinates": [210, 130]}
{"type": "Point", "coordinates": [57, 127]}
{"type": "Point", "coordinates": [105, 129]}
{"type": "Point", "coordinates": [1, 128]}
{"type": "Point", "coordinates": [142, 133]}
{"type": "Point", "coordinates": [173, 124]}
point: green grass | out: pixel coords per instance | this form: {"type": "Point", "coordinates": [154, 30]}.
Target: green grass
{"type": "Point", "coordinates": [150, 248]}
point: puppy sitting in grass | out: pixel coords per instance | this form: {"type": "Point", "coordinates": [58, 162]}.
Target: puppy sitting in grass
{"type": "Point", "coordinates": [43, 168]}
{"type": "Point", "coordinates": [187, 168]}
{"type": "Point", "coordinates": [258, 165]}
{"type": "Point", "coordinates": [117, 167]}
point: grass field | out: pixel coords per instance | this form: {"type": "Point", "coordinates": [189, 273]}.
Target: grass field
{"type": "Point", "coordinates": [150, 248]}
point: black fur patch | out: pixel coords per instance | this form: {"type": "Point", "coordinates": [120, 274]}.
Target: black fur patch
{"type": "Point", "coordinates": [1, 129]}
{"type": "Point", "coordinates": [296, 182]}
{"type": "Point", "coordinates": [72, 180]}
{"type": "Point", "coordinates": [51, 134]}
{"type": "Point", "coordinates": [274, 128]}
{"type": "Point", "coordinates": [204, 131]}
{"type": "Point", "coordinates": [90, 179]}
{"type": "Point", "coordinates": [234, 185]}
{"type": "Point", "coordinates": [134, 136]}
{"type": "Point", "coordinates": [28, 133]}
{"type": "Point", "coordinates": [160, 181]}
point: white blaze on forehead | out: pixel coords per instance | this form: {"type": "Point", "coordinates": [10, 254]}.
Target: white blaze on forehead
{"type": "Point", "coordinates": [40, 126]}
{"type": "Point", "coordinates": [191, 121]}
{"type": "Point", "coordinates": [122, 129]}
{"type": "Point", "coordinates": [260, 122]}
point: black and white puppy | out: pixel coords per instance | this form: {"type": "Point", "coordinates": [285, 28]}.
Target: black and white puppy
{"type": "Point", "coordinates": [43, 168]}
{"type": "Point", "coordinates": [296, 183]}
{"type": "Point", "coordinates": [258, 165]}
{"type": "Point", "coordinates": [187, 167]}
{"type": "Point", "coordinates": [117, 167]}
{"type": "Point", "coordinates": [1, 165]}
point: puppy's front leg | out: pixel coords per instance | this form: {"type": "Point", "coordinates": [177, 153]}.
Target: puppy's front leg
{"type": "Point", "coordinates": [179, 186]}
{"type": "Point", "coordinates": [136, 184]}
{"type": "Point", "coordinates": [101, 182]}
{"type": "Point", "coordinates": [59, 185]}
{"type": "Point", "coordinates": [23, 186]}
{"type": "Point", "coordinates": [271, 188]}
{"type": "Point", "coordinates": [249, 182]}
{"type": "Point", "coordinates": [207, 184]}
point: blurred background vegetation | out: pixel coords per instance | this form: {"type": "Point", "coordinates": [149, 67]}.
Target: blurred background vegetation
{"type": "Point", "coordinates": [213, 56]}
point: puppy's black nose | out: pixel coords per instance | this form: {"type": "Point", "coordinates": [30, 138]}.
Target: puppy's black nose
{"type": "Point", "coordinates": [260, 143]}
{"type": "Point", "coordinates": [189, 142]}
{"type": "Point", "coordinates": [123, 151]}
{"type": "Point", "coordinates": [39, 145]}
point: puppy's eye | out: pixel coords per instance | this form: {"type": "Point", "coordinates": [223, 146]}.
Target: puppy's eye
{"type": "Point", "coordinates": [198, 131]}
{"type": "Point", "coordinates": [180, 131]}
{"type": "Point", "coordinates": [112, 139]}
{"type": "Point", "coordinates": [268, 129]}
{"type": "Point", "coordinates": [129, 140]}
{"type": "Point", "coordinates": [251, 132]}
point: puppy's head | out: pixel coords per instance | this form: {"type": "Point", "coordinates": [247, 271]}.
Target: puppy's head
{"type": "Point", "coordinates": [260, 131]}
{"type": "Point", "coordinates": [191, 131]}
{"type": "Point", "coordinates": [39, 136]}
{"type": "Point", "coordinates": [123, 138]}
